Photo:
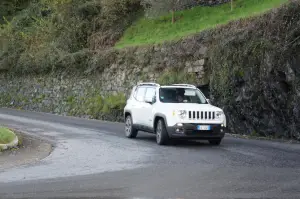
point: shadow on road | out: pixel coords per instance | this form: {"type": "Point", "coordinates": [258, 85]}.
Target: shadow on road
{"type": "Point", "coordinates": [176, 143]}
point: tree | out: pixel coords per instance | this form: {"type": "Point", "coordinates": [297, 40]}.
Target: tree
{"type": "Point", "coordinates": [231, 5]}
{"type": "Point", "coordinates": [155, 8]}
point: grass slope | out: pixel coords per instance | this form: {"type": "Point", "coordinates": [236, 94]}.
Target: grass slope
{"type": "Point", "coordinates": [151, 31]}
{"type": "Point", "coordinates": [6, 136]}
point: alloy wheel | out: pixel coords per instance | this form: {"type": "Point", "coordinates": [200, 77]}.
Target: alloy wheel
{"type": "Point", "coordinates": [158, 131]}
{"type": "Point", "coordinates": [128, 126]}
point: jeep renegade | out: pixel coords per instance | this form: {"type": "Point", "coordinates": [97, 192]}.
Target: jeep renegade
{"type": "Point", "coordinates": [179, 111]}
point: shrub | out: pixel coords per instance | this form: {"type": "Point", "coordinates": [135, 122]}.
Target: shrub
{"type": "Point", "coordinates": [6, 136]}
{"type": "Point", "coordinates": [108, 107]}
{"type": "Point", "coordinates": [51, 35]}
{"type": "Point", "coordinates": [156, 8]}
{"type": "Point", "coordinates": [176, 77]}
{"type": "Point", "coordinates": [9, 8]}
{"type": "Point", "coordinates": [115, 17]}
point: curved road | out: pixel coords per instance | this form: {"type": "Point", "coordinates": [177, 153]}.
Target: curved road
{"type": "Point", "coordinates": [93, 159]}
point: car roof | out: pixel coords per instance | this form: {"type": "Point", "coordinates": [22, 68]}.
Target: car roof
{"type": "Point", "coordinates": [167, 86]}
{"type": "Point", "coordinates": [178, 87]}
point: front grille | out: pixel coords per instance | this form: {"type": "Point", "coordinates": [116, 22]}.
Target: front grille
{"type": "Point", "coordinates": [202, 115]}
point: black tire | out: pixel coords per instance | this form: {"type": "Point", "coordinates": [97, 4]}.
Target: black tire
{"type": "Point", "coordinates": [130, 131]}
{"type": "Point", "coordinates": [162, 137]}
{"type": "Point", "coordinates": [215, 142]}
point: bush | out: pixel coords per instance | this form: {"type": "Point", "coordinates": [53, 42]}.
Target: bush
{"type": "Point", "coordinates": [115, 17]}
{"type": "Point", "coordinates": [156, 8]}
{"type": "Point", "coordinates": [6, 136]}
{"type": "Point", "coordinates": [54, 35]}
{"type": "Point", "coordinates": [108, 107]}
{"type": "Point", "coordinates": [114, 10]}
{"type": "Point", "coordinates": [9, 8]}
{"type": "Point", "coordinates": [176, 77]}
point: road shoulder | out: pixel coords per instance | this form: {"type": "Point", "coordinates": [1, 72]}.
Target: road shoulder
{"type": "Point", "coordinates": [29, 151]}
{"type": "Point", "coordinates": [258, 138]}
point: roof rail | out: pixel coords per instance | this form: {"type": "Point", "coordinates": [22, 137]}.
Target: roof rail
{"type": "Point", "coordinates": [187, 85]}
{"type": "Point", "coordinates": [148, 84]}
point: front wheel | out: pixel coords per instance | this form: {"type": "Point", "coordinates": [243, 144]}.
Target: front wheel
{"type": "Point", "coordinates": [130, 131]}
{"type": "Point", "coordinates": [162, 137]}
{"type": "Point", "coordinates": [215, 142]}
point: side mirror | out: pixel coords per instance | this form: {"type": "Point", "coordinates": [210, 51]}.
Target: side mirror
{"type": "Point", "coordinates": [150, 100]}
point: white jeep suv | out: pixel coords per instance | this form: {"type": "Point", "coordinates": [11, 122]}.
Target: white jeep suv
{"type": "Point", "coordinates": [179, 111]}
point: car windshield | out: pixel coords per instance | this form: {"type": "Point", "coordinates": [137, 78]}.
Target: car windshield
{"type": "Point", "coordinates": [181, 95]}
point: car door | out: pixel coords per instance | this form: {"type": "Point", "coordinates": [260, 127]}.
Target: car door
{"type": "Point", "coordinates": [147, 118]}
{"type": "Point", "coordinates": [137, 112]}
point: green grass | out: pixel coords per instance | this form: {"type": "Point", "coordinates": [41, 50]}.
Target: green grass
{"type": "Point", "coordinates": [6, 136]}
{"type": "Point", "coordinates": [152, 31]}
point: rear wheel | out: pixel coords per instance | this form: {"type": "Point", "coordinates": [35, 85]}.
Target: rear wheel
{"type": "Point", "coordinates": [162, 137]}
{"type": "Point", "coordinates": [130, 131]}
{"type": "Point", "coordinates": [215, 142]}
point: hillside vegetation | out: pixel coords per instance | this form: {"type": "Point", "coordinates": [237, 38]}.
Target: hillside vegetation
{"type": "Point", "coordinates": [255, 73]}
{"type": "Point", "coordinates": [252, 63]}
{"type": "Point", "coordinates": [50, 35]}
{"type": "Point", "coordinates": [151, 31]}
{"type": "Point", "coordinates": [43, 36]}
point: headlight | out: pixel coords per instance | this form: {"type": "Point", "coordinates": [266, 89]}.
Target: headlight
{"type": "Point", "coordinates": [219, 114]}
{"type": "Point", "coordinates": [182, 114]}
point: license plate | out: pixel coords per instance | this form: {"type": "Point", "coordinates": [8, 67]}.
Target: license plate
{"type": "Point", "coordinates": [203, 128]}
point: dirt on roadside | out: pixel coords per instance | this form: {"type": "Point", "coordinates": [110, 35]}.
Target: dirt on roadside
{"type": "Point", "coordinates": [30, 150]}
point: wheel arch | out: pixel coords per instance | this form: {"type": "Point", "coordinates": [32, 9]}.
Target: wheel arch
{"type": "Point", "coordinates": [157, 117]}
{"type": "Point", "coordinates": [127, 113]}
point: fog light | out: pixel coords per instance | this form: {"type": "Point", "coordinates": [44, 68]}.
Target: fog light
{"type": "Point", "coordinates": [179, 130]}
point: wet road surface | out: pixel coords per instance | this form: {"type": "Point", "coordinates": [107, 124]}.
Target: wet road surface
{"type": "Point", "coordinates": [93, 159]}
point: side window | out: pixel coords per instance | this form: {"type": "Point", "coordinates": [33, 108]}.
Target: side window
{"type": "Point", "coordinates": [150, 93]}
{"type": "Point", "coordinates": [140, 94]}
{"type": "Point", "coordinates": [133, 93]}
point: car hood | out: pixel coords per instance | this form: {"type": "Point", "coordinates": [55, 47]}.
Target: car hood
{"type": "Point", "coordinates": [191, 107]}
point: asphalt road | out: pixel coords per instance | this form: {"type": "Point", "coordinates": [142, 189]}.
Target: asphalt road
{"type": "Point", "coordinates": [94, 159]}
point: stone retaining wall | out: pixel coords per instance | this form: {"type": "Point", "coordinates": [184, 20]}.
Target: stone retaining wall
{"type": "Point", "coordinates": [86, 95]}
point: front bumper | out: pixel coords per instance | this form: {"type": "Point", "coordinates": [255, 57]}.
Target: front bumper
{"type": "Point", "coordinates": [189, 131]}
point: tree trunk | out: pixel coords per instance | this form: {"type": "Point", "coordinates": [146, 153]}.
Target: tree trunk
{"type": "Point", "coordinates": [231, 5]}
{"type": "Point", "coordinates": [173, 16]}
